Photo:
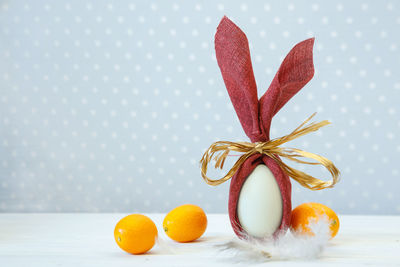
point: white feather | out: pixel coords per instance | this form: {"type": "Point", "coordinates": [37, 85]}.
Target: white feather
{"type": "Point", "coordinates": [285, 247]}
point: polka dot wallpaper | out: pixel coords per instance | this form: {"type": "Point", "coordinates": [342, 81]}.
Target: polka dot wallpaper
{"type": "Point", "coordinates": [108, 106]}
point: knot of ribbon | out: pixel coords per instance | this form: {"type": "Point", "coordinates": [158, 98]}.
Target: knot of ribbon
{"type": "Point", "coordinates": [220, 150]}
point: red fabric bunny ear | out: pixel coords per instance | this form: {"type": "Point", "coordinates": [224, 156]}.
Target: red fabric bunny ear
{"type": "Point", "coordinates": [296, 70]}
{"type": "Point", "coordinates": [233, 56]}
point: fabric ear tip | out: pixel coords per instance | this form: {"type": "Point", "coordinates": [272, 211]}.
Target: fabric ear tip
{"type": "Point", "coordinates": [312, 40]}
{"type": "Point", "coordinates": [224, 20]}
{"type": "Point", "coordinates": [309, 42]}
{"type": "Point", "coordinates": [223, 24]}
{"type": "Point", "coordinates": [306, 43]}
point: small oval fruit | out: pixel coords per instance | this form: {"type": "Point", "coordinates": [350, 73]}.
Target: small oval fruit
{"type": "Point", "coordinates": [185, 223]}
{"type": "Point", "coordinates": [135, 233]}
{"type": "Point", "coordinates": [306, 213]}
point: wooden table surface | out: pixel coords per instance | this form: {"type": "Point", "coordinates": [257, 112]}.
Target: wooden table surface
{"type": "Point", "coordinates": [87, 240]}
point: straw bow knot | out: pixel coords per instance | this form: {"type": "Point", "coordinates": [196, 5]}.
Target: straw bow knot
{"type": "Point", "coordinates": [220, 150]}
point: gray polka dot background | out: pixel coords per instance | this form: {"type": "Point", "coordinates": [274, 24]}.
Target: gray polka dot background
{"type": "Point", "coordinates": [108, 106]}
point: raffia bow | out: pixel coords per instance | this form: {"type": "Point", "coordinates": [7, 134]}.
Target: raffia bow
{"type": "Point", "coordinates": [220, 150]}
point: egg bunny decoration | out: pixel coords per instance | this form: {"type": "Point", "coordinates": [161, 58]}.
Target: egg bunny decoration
{"type": "Point", "coordinates": [260, 189]}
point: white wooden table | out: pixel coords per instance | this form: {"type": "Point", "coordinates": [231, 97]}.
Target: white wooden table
{"type": "Point", "coordinates": [87, 240]}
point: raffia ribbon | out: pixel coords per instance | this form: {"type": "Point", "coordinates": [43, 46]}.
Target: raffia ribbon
{"type": "Point", "coordinates": [220, 150]}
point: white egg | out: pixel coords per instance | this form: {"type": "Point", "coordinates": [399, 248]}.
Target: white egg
{"type": "Point", "coordinates": [260, 205]}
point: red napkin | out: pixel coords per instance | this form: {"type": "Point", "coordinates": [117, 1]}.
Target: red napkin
{"type": "Point", "coordinates": [233, 56]}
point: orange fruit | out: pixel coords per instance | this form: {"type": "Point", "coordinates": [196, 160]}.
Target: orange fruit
{"type": "Point", "coordinates": [185, 223]}
{"type": "Point", "coordinates": [307, 213]}
{"type": "Point", "coordinates": [135, 233]}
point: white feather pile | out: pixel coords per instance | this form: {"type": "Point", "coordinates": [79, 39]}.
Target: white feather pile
{"type": "Point", "coordinates": [286, 246]}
